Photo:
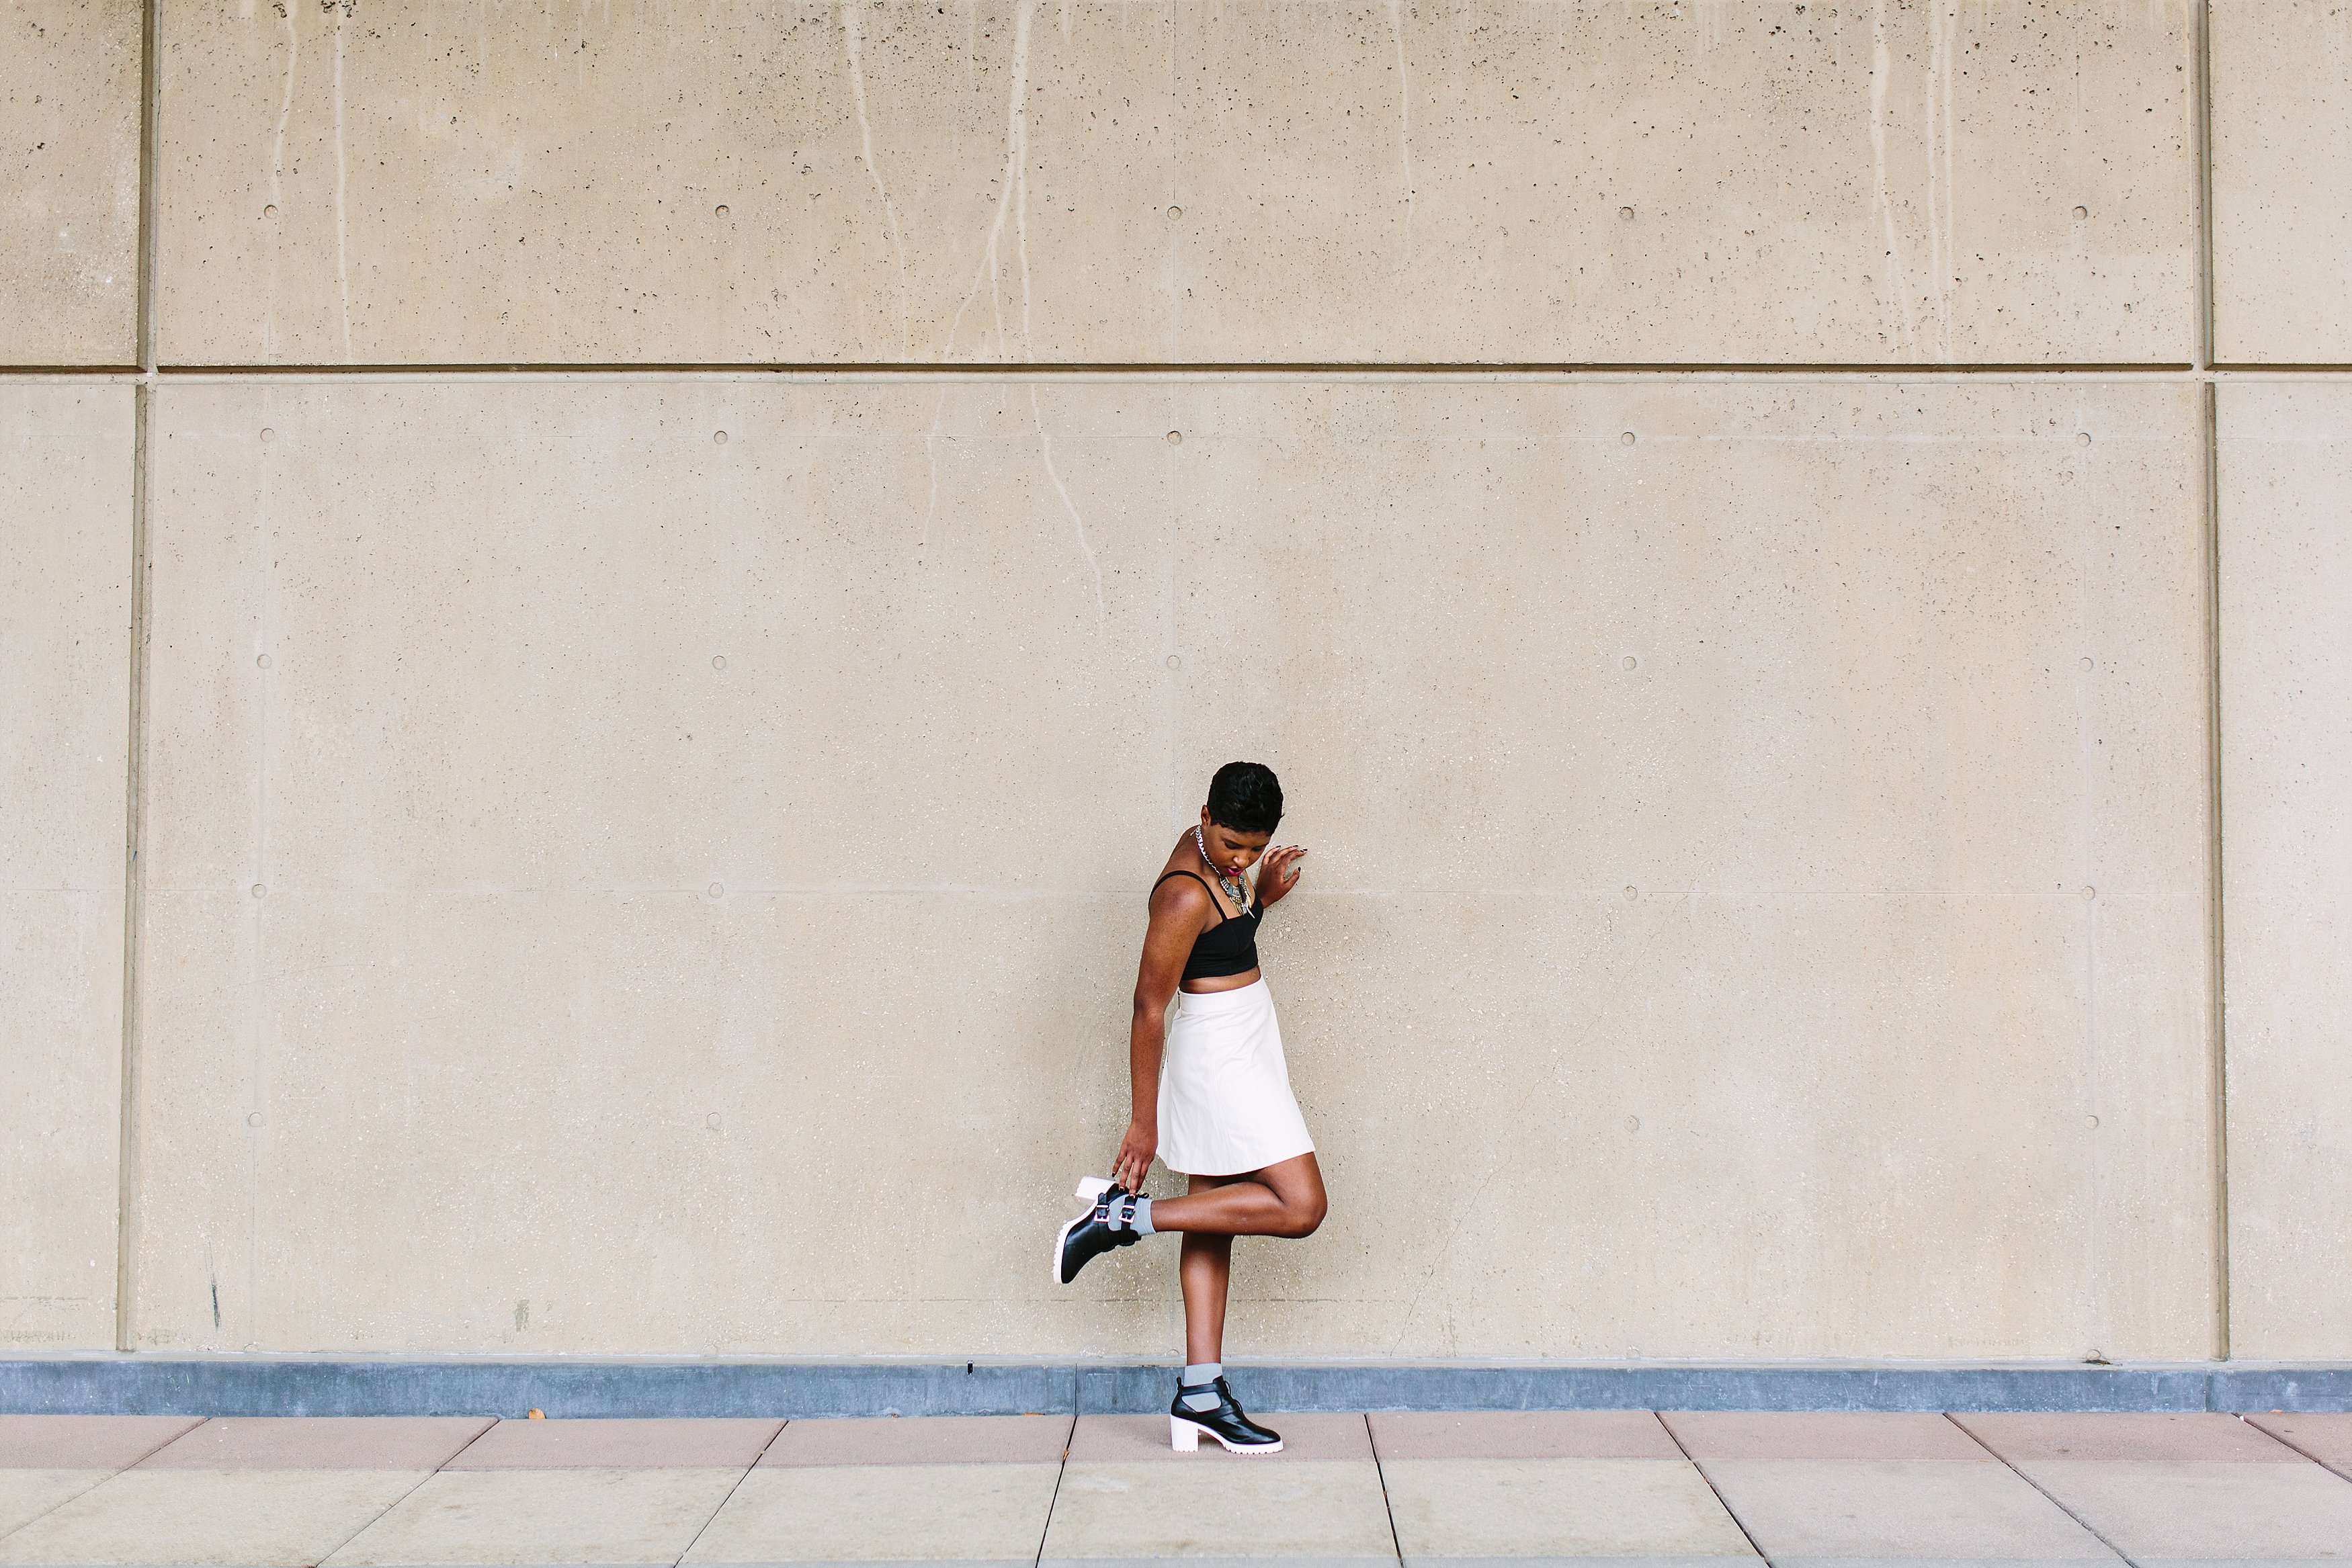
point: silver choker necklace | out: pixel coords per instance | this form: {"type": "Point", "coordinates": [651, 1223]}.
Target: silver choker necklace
{"type": "Point", "coordinates": [1237, 889]}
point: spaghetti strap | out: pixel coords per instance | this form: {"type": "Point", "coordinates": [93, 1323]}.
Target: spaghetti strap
{"type": "Point", "coordinates": [1196, 876]}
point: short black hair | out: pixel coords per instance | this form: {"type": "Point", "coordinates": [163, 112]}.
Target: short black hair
{"type": "Point", "coordinates": [1246, 798]}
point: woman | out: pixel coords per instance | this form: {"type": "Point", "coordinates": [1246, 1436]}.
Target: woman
{"type": "Point", "coordinates": [1219, 1108]}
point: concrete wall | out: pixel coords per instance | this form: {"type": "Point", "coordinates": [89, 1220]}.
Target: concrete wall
{"type": "Point", "coordinates": [640, 853]}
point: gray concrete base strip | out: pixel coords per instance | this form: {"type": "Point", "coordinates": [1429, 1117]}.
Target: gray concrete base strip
{"type": "Point", "coordinates": [113, 1384]}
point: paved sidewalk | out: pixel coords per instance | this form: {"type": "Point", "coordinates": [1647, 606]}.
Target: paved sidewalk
{"type": "Point", "coordinates": [1454, 1490]}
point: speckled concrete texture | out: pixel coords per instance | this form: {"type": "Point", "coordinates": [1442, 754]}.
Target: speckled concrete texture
{"type": "Point", "coordinates": [565, 820]}
{"type": "Point", "coordinates": [64, 677]}
{"type": "Point", "coordinates": [69, 116]}
{"type": "Point", "coordinates": [1211, 183]}
{"type": "Point", "coordinates": [2286, 751]}
{"type": "Point", "coordinates": [2281, 84]}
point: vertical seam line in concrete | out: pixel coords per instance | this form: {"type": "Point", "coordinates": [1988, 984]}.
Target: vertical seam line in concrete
{"type": "Point", "coordinates": [687, 1550]}
{"type": "Point", "coordinates": [1382, 1470]}
{"type": "Point", "coordinates": [2202, 135]}
{"type": "Point", "coordinates": [1721, 1501]}
{"type": "Point", "coordinates": [142, 397]}
{"type": "Point", "coordinates": [1055, 1501]}
{"type": "Point", "coordinates": [2209, 398]}
{"type": "Point", "coordinates": [2003, 1459]}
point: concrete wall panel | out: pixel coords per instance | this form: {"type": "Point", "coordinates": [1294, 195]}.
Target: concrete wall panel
{"type": "Point", "coordinates": [596, 997]}
{"type": "Point", "coordinates": [2282, 90]}
{"type": "Point", "coordinates": [65, 662]}
{"type": "Point", "coordinates": [1136, 182]}
{"type": "Point", "coordinates": [2287, 712]}
{"type": "Point", "coordinates": [70, 108]}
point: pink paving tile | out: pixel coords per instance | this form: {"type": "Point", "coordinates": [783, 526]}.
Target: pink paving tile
{"type": "Point", "coordinates": [85, 1442]}
{"type": "Point", "coordinates": [1521, 1435]}
{"type": "Point", "coordinates": [2326, 1437]}
{"type": "Point", "coordinates": [320, 1443]}
{"type": "Point", "coordinates": [922, 1440]}
{"type": "Point", "coordinates": [1821, 1435]}
{"type": "Point", "coordinates": [2120, 1436]}
{"type": "Point", "coordinates": [1121, 1439]}
{"type": "Point", "coordinates": [658, 1444]}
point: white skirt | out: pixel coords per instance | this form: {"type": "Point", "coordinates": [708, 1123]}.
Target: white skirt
{"type": "Point", "coordinates": [1225, 1106]}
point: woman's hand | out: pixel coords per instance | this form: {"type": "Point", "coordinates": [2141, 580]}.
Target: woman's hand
{"type": "Point", "coordinates": [1135, 1153]}
{"type": "Point", "coordinates": [1277, 873]}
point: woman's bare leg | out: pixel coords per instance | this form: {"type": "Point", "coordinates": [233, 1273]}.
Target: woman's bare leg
{"type": "Point", "coordinates": [1206, 1269]}
{"type": "Point", "coordinates": [1285, 1199]}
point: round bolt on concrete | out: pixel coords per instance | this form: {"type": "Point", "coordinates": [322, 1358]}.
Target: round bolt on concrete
{"type": "Point", "coordinates": [260, 891]}
{"type": "Point", "coordinates": [1175, 660]}
{"type": "Point", "coordinates": [718, 661]}
{"type": "Point", "coordinates": [268, 434]}
{"type": "Point", "coordinates": [1630, 662]}
{"type": "Point", "coordinates": [1175, 438]}
{"type": "Point", "coordinates": [2082, 212]}
{"type": "Point", "coordinates": [1625, 212]}
{"type": "Point", "coordinates": [253, 1119]}
{"type": "Point", "coordinates": [1632, 1124]}
{"type": "Point", "coordinates": [719, 210]}
{"type": "Point", "coordinates": [1174, 213]}
{"type": "Point", "coordinates": [270, 210]}
{"type": "Point", "coordinates": [2082, 438]}
{"type": "Point", "coordinates": [2090, 1121]}
{"type": "Point", "coordinates": [2090, 664]}
{"type": "Point", "coordinates": [262, 662]}
{"type": "Point", "coordinates": [1626, 439]}
{"type": "Point", "coordinates": [711, 1121]}
{"type": "Point", "coordinates": [1632, 893]}
{"type": "Point", "coordinates": [2090, 893]}
{"type": "Point", "coordinates": [719, 439]}
{"type": "Point", "coordinates": [718, 889]}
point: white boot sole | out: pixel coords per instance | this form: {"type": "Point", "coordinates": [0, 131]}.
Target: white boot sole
{"type": "Point", "coordinates": [1184, 1436]}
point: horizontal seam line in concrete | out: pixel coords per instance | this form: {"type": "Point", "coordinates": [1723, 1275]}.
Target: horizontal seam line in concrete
{"type": "Point", "coordinates": [964, 370]}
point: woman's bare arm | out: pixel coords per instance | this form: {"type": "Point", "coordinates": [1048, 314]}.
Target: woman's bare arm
{"type": "Point", "coordinates": [1180, 911]}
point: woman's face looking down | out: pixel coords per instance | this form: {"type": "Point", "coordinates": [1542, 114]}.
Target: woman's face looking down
{"type": "Point", "coordinates": [1233, 851]}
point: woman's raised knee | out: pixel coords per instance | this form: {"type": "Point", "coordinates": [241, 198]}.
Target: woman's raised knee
{"type": "Point", "coordinates": [1301, 1219]}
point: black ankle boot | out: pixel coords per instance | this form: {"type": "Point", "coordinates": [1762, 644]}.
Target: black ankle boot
{"type": "Point", "coordinates": [1109, 1224]}
{"type": "Point", "coordinates": [1226, 1421]}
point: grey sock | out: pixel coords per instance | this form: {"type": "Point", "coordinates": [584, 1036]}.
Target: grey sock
{"type": "Point", "coordinates": [1143, 1218]}
{"type": "Point", "coordinates": [1195, 1375]}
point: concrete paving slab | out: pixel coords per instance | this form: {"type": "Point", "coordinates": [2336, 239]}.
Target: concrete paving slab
{"type": "Point", "coordinates": [69, 102]}
{"type": "Point", "coordinates": [954, 1512]}
{"type": "Point", "coordinates": [2284, 451]}
{"type": "Point", "coordinates": [66, 512]}
{"type": "Point", "coordinates": [85, 1442]}
{"type": "Point", "coordinates": [602, 1515]}
{"type": "Point", "coordinates": [922, 1440]}
{"type": "Point", "coordinates": [2138, 1435]}
{"type": "Point", "coordinates": [1141, 1439]}
{"type": "Point", "coordinates": [210, 1517]}
{"type": "Point", "coordinates": [2324, 1437]}
{"type": "Point", "coordinates": [655, 1445]}
{"type": "Point", "coordinates": [1812, 1435]}
{"type": "Point", "coordinates": [320, 1443]}
{"type": "Point", "coordinates": [1451, 1508]}
{"type": "Point", "coordinates": [1954, 1512]}
{"type": "Point", "coordinates": [2180, 1510]}
{"type": "Point", "coordinates": [1519, 1435]}
{"type": "Point", "coordinates": [26, 1494]}
{"type": "Point", "coordinates": [1320, 1510]}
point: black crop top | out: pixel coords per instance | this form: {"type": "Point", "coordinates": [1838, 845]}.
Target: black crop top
{"type": "Point", "coordinates": [1228, 947]}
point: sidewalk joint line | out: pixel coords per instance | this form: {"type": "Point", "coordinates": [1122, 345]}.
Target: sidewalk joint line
{"type": "Point", "coordinates": [688, 1551]}
{"type": "Point", "coordinates": [2087, 1527]}
{"type": "Point", "coordinates": [1720, 1501]}
{"type": "Point", "coordinates": [1069, 1437]}
{"type": "Point", "coordinates": [1380, 1470]}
